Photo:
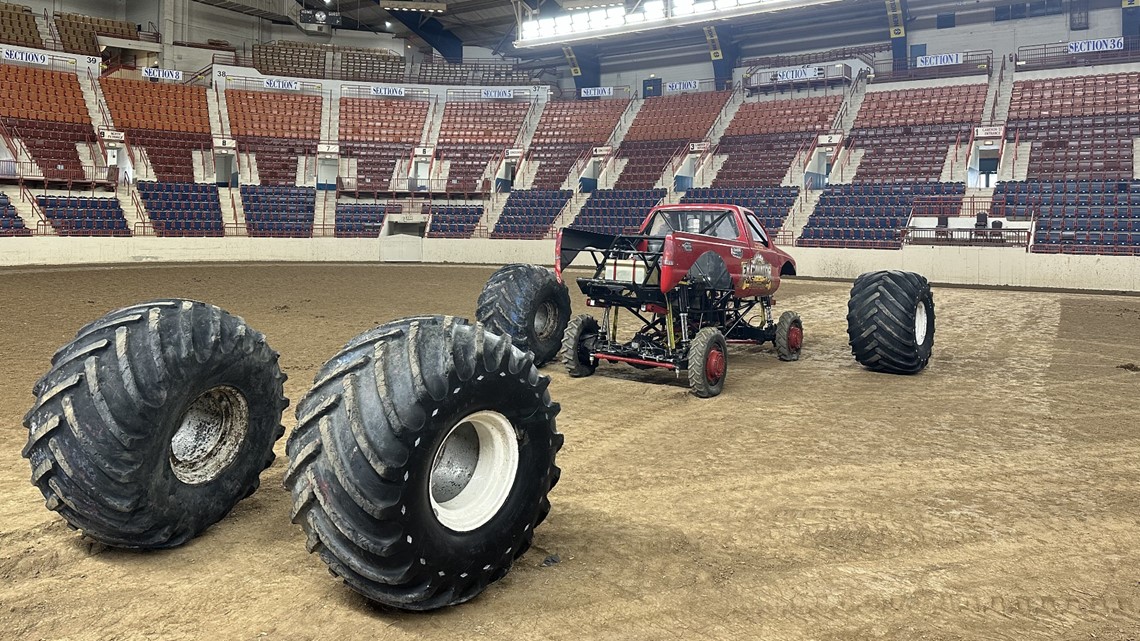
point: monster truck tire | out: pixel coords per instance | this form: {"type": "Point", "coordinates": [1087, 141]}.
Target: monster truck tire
{"type": "Point", "coordinates": [422, 460]}
{"type": "Point", "coordinates": [528, 304]}
{"type": "Point", "coordinates": [708, 362]}
{"type": "Point", "coordinates": [890, 321]}
{"type": "Point", "coordinates": [154, 422]}
{"type": "Point", "coordinates": [576, 353]}
{"type": "Point", "coordinates": [789, 338]}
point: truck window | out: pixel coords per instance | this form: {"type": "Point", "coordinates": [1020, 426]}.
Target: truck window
{"type": "Point", "coordinates": [758, 234]}
{"type": "Point", "coordinates": [726, 228]}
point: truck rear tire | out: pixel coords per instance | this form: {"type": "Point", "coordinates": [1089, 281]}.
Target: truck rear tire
{"type": "Point", "coordinates": [422, 460]}
{"type": "Point", "coordinates": [576, 353]}
{"type": "Point", "coordinates": [890, 321]}
{"type": "Point", "coordinates": [708, 362]}
{"type": "Point", "coordinates": [154, 422]}
{"type": "Point", "coordinates": [789, 338]}
{"type": "Point", "coordinates": [528, 304]}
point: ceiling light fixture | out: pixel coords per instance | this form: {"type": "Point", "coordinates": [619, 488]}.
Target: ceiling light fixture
{"type": "Point", "coordinates": [411, 5]}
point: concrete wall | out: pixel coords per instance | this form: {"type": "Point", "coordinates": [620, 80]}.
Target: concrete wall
{"type": "Point", "coordinates": [1005, 37]}
{"type": "Point", "coordinates": [951, 265]}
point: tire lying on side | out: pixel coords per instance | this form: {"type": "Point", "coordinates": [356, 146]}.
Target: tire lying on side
{"type": "Point", "coordinates": [890, 321]}
{"type": "Point", "coordinates": [422, 460]}
{"type": "Point", "coordinates": [528, 304]}
{"type": "Point", "coordinates": [154, 422]}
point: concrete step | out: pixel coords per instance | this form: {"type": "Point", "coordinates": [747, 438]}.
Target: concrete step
{"type": "Point", "coordinates": [28, 212]}
{"type": "Point", "coordinates": [135, 213]}
{"type": "Point", "coordinates": [795, 175]}
{"type": "Point", "coordinates": [232, 212]}
{"type": "Point", "coordinates": [844, 171]}
{"type": "Point", "coordinates": [954, 167]}
{"type": "Point", "coordinates": [707, 172]}
{"type": "Point", "coordinates": [801, 211]}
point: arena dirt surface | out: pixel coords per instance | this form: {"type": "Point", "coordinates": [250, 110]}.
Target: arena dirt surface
{"type": "Point", "coordinates": [995, 496]}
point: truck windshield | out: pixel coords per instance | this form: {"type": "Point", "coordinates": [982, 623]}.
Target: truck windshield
{"type": "Point", "coordinates": [712, 222]}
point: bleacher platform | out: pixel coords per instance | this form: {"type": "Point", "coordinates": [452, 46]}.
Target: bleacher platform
{"type": "Point", "coordinates": [182, 209]}
{"type": "Point", "coordinates": [614, 211]}
{"type": "Point", "coordinates": [10, 222]}
{"type": "Point", "coordinates": [868, 216]}
{"type": "Point", "coordinates": [1075, 216]}
{"type": "Point", "coordinates": [763, 138]}
{"type": "Point", "coordinates": [169, 120]}
{"type": "Point", "coordinates": [663, 128]}
{"type": "Point", "coordinates": [362, 220]}
{"type": "Point", "coordinates": [770, 204]}
{"type": "Point", "coordinates": [377, 132]}
{"type": "Point", "coordinates": [46, 111]}
{"type": "Point", "coordinates": [472, 134]}
{"type": "Point", "coordinates": [18, 26]}
{"type": "Point", "coordinates": [454, 221]}
{"type": "Point", "coordinates": [80, 33]}
{"type": "Point", "coordinates": [75, 216]}
{"type": "Point", "coordinates": [277, 128]}
{"type": "Point", "coordinates": [568, 129]}
{"type": "Point", "coordinates": [530, 213]}
{"type": "Point", "coordinates": [277, 211]}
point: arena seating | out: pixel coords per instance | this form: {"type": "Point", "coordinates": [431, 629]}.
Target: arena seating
{"type": "Point", "coordinates": [378, 132]}
{"type": "Point", "coordinates": [868, 216]}
{"type": "Point", "coordinates": [72, 216]}
{"type": "Point", "coordinates": [1085, 216]}
{"type": "Point", "coordinates": [168, 120]}
{"type": "Point", "coordinates": [762, 140]}
{"type": "Point", "coordinates": [10, 222]}
{"type": "Point", "coordinates": [454, 221]}
{"type": "Point", "coordinates": [663, 128]}
{"type": "Point", "coordinates": [279, 211]}
{"type": "Point", "coordinates": [290, 59]}
{"type": "Point", "coordinates": [182, 209]}
{"type": "Point", "coordinates": [567, 130]}
{"type": "Point", "coordinates": [79, 33]}
{"type": "Point", "coordinates": [277, 128]}
{"type": "Point", "coordinates": [770, 204]}
{"type": "Point", "coordinates": [371, 65]}
{"type": "Point", "coordinates": [474, 132]}
{"type": "Point", "coordinates": [530, 213]}
{"type": "Point", "coordinates": [438, 72]}
{"type": "Point", "coordinates": [356, 220]}
{"type": "Point", "coordinates": [1082, 127]}
{"type": "Point", "coordinates": [45, 110]}
{"type": "Point", "coordinates": [906, 134]}
{"type": "Point", "coordinates": [613, 211]}
{"type": "Point", "coordinates": [18, 26]}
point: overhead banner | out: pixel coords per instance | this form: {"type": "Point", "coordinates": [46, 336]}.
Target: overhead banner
{"type": "Point", "coordinates": [498, 94]}
{"type": "Point", "coordinates": [895, 18]}
{"type": "Point", "coordinates": [162, 74]}
{"type": "Point", "coordinates": [681, 85]}
{"type": "Point", "coordinates": [16, 55]}
{"type": "Point", "coordinates": [277, 83]}
{"type": "Point", "coordinates": [938, 60]}
{"type": "Point", "coordinates": [798, 73]}
{"type": "Point", "coordinates": [391, 92]}
{"type": "Point", "coordinates": [597, 92]}
{"type": "Point", "coordinates": [1104, 44]}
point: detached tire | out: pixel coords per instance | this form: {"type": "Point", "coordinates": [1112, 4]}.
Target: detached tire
{"type": "Point", "coordinates": [890, 321]}
{"type": "Point", "coordinates": [422, 460]}
{"type": "Point", "coordinates": [789, 338]}
{"type": "Point", "coordinates": [528, 304]}
{"type": "Point", "coordinates": [577, 348]}
{"type": "Point", "coordinates": [154, 422]}
{"type": "Point", "coordinates": [708, 363]}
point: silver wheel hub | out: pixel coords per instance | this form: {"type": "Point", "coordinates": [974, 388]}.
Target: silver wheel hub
{"type": "Point", "coordinates": [920, 323]}
{"type": "Point", "coordinates": [210, 435]}
{"type": "Point", "coordinates": [474, 471]}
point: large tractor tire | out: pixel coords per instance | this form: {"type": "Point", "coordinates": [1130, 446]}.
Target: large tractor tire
{"type": "Point", "coordinates": [154, 422]}
{"type": "Point", "coordinates": [577, 353]}
{"type": "Point", "coordinates": [708, 363]}
{"type": "Point", "coordinates": [789, 338]}
{"type": "Point", "coordinates": [528, 304]}
{"type": "Point", "coordinates": [422, 460]}
{"type": "Point", "coordinates": [890, 321]}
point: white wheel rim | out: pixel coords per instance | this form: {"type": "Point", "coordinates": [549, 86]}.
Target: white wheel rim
{"type": "Point", "coordinates": [920, 323]}
{"type": "Point", "coordinates": [210, 435]}
{"type": "Point", "coordinates": [474, 471]}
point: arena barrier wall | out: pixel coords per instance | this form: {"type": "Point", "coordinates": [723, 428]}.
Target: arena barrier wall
{"type": "Point", "coordinates": [950, 265]}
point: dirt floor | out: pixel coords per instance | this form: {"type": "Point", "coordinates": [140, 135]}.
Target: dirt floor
{"type": "Point", "coordinates": [994, 496]}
